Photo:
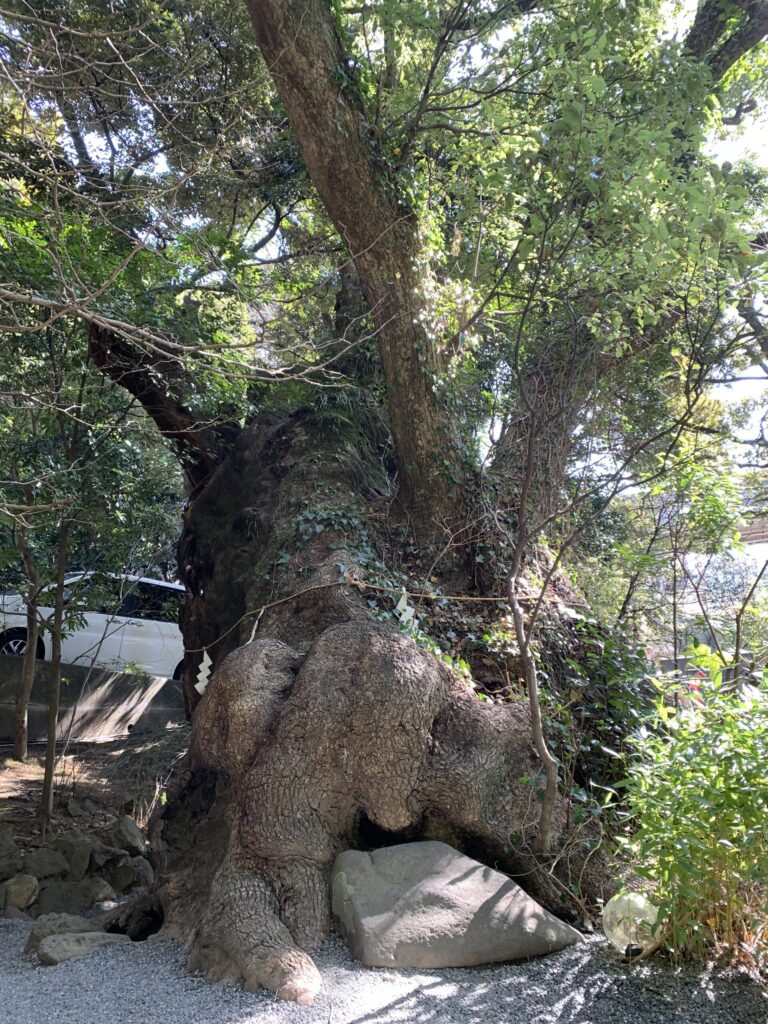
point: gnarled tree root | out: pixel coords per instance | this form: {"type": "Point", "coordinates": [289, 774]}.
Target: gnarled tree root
{"type": "Point", "coordinates": [294, 757]}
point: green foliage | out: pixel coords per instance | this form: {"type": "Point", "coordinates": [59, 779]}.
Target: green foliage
{"type": "Point", "coordinates": [553, 162]}
{"type": "Point", "coordinates": [674, 546]}
{"type": "Point", "coordinates": [404, 616]}
{"type": "Point", "coordinates": [697, 791]}
{"type": "Point", "coordinates": [704, 497]}
{"type": "Point", "coordinates": [703, 657]}
{"type": "Point", "coordinates": [75, 449]}
{"type": "Point", "coordinates": [598, 689]}
{"type": "Point", "coordinates": [348, 523]}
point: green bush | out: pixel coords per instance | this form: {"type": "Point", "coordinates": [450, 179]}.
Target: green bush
{"type": "Point", "coordinates": [697, 792]}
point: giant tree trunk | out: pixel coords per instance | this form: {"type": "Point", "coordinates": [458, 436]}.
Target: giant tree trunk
{"type": "Point", "coordinates": [327, 730]}
{"type": "Point", "coordinates": [313, 74]}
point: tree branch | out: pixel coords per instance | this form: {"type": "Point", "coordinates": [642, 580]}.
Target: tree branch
{"type": "Point", "coordinates": [704, 40]}
{"type": "Point", "coordinates": [149, 377]}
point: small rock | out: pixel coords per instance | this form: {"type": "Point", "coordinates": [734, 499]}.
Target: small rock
{"type": "Point", "coordinates": [90, 807]}
{"type": "Point", "coordinates": [104, 906]}
{"type": "Point", "coordinates": [58, 948]}
{"type": "Point", "coordinates": [123, 877]}
{"type": "Point", "coordinates": [74, 810]}
{"type": "Point", "coordinates": [76, 849]}
{"type": "Point", "coordinates": [102, 855]}
{"type": "Point", "coordinates": [44, 863]}
{"type": "Point", "coordinates": [144, 871]}
{"type": "Point", "coordinates": [64, 897]}
{"type": "Point", "coordinates": [14, 914]}
{"type": "Point", "coordinates": [101, 890]}
{"type": "Point", "coordinates": [127, 835]}
{"type": "Point", "coordinates": [57, 924]}
{"type": "Point", "coordinates": [21, 891]}
{"type": "Point", "coordinates": [136, 871]}
{"type": "Point", "coordinates": [11, 860]}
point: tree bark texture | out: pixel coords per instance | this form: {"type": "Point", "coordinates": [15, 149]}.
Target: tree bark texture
{"type": "Point", "coordinates": [313, 75]}
{"type": "Point", "coordinates": [24, 692]}
{"type": "Point", "coordinates": [320, 730]}
{"type": "Point", "coordinates": [551, 399]}
{"type": "Point", "coordinates": [157, 380]}
{"type": "Point", "coordinates": [240, 555]}
{"type": "Point", "coordinates": [26, 682]}
{"type": "Point", "coordinates": [708, 40]}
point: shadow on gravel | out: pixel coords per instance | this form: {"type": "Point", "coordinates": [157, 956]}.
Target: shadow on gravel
{"type": "Point", "coordinates": [585, 992]}
{"type": "Point", "coordinates": [147, 982]}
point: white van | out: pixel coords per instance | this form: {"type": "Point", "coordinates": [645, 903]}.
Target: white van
{"type": "Point", "coordinates": [116, 622]}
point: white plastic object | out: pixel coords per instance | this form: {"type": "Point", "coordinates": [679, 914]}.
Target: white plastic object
{"type": "Point", "coordinates": [628, 920]}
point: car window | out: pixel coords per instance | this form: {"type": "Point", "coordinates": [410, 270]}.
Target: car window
{"type": "Point", "coordinates": [74, 592]}
{"type": "Point", "coordinates": [161, 603]}
{"type": "Point", "coordinates": [131, 604]}
{"type": "Point", "coordinates": [98, 593]}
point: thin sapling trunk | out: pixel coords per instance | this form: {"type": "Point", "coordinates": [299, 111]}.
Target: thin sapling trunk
{"type": "Point", "coordinates": [54, 685]}
{"type": "Point", "coordinates": [21, 709]}
{"type": "Point", "coordinates": [549, 763]}
{"type": "Point", "coordinates": [544, 833]}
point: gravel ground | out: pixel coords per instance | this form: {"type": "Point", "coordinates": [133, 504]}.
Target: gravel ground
{"type": "Point", "coordinates": [146, 983]}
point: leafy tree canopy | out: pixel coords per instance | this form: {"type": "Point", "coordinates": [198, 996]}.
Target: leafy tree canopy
{"type": "Point", "coordinates": [574, 250]}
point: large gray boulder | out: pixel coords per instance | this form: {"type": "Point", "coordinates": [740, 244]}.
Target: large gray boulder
{"type": "Point", "coordinates": [58, 924]}
{"type": "Point", "coordinates": [104, 856]}
{"type": "Point", "coordinates": [11, 859]}
{"type": "Point", "coordinates": [76, 849]}
{"type": "Point", "coordinates": [64, 897]}
{"type": "Point", "coordinates": [45, 863]}
{"type": "Point", "coordinates": [127, 835]}
{"type": "Point", "coordinates": [101, 890]}
{"type": "Point", "coordinates": [426, 905]}
{"type": "Point", "coordinates": [57, 948]}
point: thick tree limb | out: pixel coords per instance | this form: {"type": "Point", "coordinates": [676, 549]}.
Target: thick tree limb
{"type": "Point", "coordinates": [758, 322]}
{"type": "Point", "coordinates": [306, 58]}
{"type": "Point", "coordinates": [152, 379]}
{"type": "Point", "coordinates": [705, 39]}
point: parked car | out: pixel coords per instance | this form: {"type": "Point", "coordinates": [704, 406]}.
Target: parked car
{"type": "Point", "coordinates": [114, 622]}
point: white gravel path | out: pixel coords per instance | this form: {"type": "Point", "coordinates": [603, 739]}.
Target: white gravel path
{"type": "Point", "coordinates": [146, 983]}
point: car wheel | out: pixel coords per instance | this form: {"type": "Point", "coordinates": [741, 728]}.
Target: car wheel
{"type": "Point", "coordinates": [178, 672]}
{"type": "Point", "coordinates": [14, 643]}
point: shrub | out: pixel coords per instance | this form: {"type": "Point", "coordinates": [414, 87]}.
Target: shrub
{"type": "Point", "coordinates": [697, 792]}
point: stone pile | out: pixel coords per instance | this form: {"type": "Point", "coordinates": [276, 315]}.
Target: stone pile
{"type": "Point", "coordinates": [72, 872]}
